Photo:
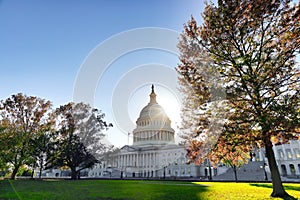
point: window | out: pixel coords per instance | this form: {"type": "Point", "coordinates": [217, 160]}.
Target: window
{"type": "Point", "coordinates": [289, 154]}
{"type": "Point", "coordinates": [292, 168]}
{"type": "Point", "coordinates": [280, 153]}
{"type": "Point", "coordinates": [283, 170]}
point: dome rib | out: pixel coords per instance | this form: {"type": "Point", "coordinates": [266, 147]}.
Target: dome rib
{"type": "Point", "coordinates": [153, 124]}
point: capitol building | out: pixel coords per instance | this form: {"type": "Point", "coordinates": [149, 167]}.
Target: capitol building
{"type": "Point", "coordinates": [153, 154]}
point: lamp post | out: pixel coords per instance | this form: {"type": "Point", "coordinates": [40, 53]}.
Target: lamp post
{"type": "Point", "coordinates": [266, 176]}
{"type": "Point", "coordinates": [164, 172]}
{"type": "Point", "coordinates": [208, 167]}
{"type": "Point", "coordinates": [265, 172]}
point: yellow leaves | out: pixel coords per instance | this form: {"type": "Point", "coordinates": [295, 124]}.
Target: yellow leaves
{"type": "Point", "coordinates": [274, 139]}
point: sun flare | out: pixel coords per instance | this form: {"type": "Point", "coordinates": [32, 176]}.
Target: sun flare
{"type": "Point", "coordinates": [168, 99]}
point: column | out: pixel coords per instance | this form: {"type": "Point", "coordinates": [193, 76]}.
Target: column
{"type": "Point", "coordinates": [134, 160]}
{"type": "Point", "coordinates": [284, 152]}
{"type": "Point", "coordinates": [129, 160]}
{"type": "Point", "coordinates": [297, 168]}
{"type": "Point", "coordinates": [147, 160]}
{"type": "Point", "coordinates": [154, 160]}
{"type": "Point", "coordinates": [121, 160]}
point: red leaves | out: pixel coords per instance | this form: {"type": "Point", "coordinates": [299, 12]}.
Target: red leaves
{"type": "Point", "coordinates": [253, 45]}
{"type": "Point", "coordinates": [25, 112]}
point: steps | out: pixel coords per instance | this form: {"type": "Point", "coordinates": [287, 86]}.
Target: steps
{"type": "Point", "coordinates": [253, 171]}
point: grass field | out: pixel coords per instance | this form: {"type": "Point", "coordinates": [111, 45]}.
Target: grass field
{"type": "Point", "coordinates": [133, 189]}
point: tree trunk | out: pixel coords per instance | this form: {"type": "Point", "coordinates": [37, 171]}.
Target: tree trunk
{"type": "Point", "coordinates": [235, 173]}
{"type": "Point", "coordinates": [32, 173]}
{"type": "Point", "coordinates": [278, 190]}
{"type": "Point", "coordinates": [40, 173]}
{"type": "Point", "coordinates": [41, 169]}
{"type": "Point", "coordinates": [14, 173]}
{"type": "Point", "coordinates": [74, 174]}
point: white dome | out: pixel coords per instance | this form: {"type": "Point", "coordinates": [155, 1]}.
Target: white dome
{"type": "Point", "coordinates": [152, 111]}
{"type": "Point", "coordinates": [153, 125]}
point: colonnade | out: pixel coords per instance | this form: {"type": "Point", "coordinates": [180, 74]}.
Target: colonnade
{"type": "Point", "coordinates": [153, 136]}
{"type": "Point", "coordinates": [142, 160]}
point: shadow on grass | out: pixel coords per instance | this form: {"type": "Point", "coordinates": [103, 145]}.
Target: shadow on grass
{"type": "Point", "coordinates": [101, 189]}
{"type": "Point", "coordinates": [160, 190]}
{"type": "Point", "coordinates": [6, 191]}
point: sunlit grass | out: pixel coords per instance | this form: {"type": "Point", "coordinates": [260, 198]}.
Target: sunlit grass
{"type": "Point", "coordinates": [243, 191]}
{"type": "Point", "coordinates": [133, 189]}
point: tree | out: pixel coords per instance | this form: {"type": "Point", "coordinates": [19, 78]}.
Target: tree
{"type": "Point", "coordinates": [72, 153]}
{"type": "Point", "coordinates": [24, 117]}
{"type": "Point", "coordinates": [251, 48]}
{"type": "Point", "coordinates": [231, 154]}
{"type": "Point", "coordinates": [3, 163]}
{"type": "Point", "coordinates": [42, 143]}
{"type": "Point", "coordinates": [79, 138]}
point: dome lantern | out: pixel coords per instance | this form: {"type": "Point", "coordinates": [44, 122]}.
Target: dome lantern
{"type": "Point", "coordinates": [152, 95]}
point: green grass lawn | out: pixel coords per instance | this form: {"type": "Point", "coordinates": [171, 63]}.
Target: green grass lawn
{"type": "Point", "coordinates": [133, 189]}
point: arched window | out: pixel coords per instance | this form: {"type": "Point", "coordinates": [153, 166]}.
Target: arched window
{"type": "Point", "coordinates": [293, 171]}
{"type": "Point", "coordinates": [283, 170]}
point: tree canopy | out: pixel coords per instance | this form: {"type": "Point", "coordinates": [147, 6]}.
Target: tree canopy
{"type": "Point", "coordinates": [78, 141]}
{"type": "Point", "coordinates": [33, 135]}
{"type": "Point", "coordinates": [240, 65]}
{"type": "Point", "coordinates": [23, 118]}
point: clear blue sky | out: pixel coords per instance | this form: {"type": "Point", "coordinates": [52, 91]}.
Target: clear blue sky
{"type": "Point", "coordinates": [44, 43]}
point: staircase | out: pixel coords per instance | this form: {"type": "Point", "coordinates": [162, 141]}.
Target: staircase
{"type": "Point", "coordinates": [253, 171]}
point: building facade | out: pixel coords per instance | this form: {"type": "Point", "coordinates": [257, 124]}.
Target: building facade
{"type": "Point", "coordinates": [288, 158]}
{"type": "Point", "coordinates": [154, 153]}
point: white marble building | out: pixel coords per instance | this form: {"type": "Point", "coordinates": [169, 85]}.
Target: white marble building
{"type": "Point", "coordinates": [153, 153]}
{"type": "Point", "coordinates": [288, 158]}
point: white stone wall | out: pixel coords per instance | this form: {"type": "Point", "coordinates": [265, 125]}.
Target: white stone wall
{"type": "Point", "coordinates": [288, 158]}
